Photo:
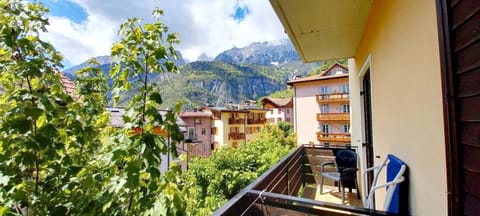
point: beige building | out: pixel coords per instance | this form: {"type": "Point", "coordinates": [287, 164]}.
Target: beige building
{"type": "Point", "coordinates": [279, 109]}
{"type": "Point", "coordinates": [322, 107]}
{"type": "Point", "coordinates": [414, 70]}
{"type": "Point", "coordinates": [234, 125]}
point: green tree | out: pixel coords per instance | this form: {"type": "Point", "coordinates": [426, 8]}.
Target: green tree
{"type": "Point", "coordinates": [216, 179]}
{"type": "Point", "coordinates": [143, 50]}
{"type": "Point", "coordinates": [286, 127]}
{"type": "Point", "coordinates": [48, 137]}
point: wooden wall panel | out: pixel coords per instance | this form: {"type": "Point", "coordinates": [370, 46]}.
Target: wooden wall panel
{"type": "Point", "coordinates": [469, 83]}
{"type": "Point", "coordinates": [470, 134]}
{"type": "Point", "coordinates": [459, 33]}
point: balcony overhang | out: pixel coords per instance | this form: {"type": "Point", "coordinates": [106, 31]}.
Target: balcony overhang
{"type": "Point", "coordinates": [323, 29]}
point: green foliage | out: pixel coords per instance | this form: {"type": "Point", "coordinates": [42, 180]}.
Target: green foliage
{"type": "Point", "coordinates": [286, 127]}
{"type": "Point", "coordinates": [59, 157]}
{"type": "Point", "coordinates": [49, 138]}
{"type": "Point", "coordinates": [226, 172]}
{"type": "Point", "coordinates": [144, 49]}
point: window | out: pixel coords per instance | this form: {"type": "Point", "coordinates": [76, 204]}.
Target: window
{"type": "Point", "coordinates": [324, 108]}
{"type": "Point", "coordinates": [214, 130]}
{"type": "Point", "coordinates": [346, 128]}
{"type": "Point", "coordinates": [234, 130]}
{"type": "Point", "coordinates": [288, 111]}
{"type": "Point", "coordinates": [345, 108]}
{"type": "Point", "coordinates": [271, 120]}
{"type": "Point", "coordinates": [324, 90]}
{"type": "Point", "coordinates": [271, 111]}
{"type": "Point", "coordinates": [204, 131]}
{"type": "Point", "coordinates": [212, 146]}
{"type": "Point", "coordinates": [344, 88]}
{"type": "Point", "coordinates": [191, 133]}
{"type": "Point", "coordinates": [203, 146]}
{"type": "Point", "coordinates": [249, 130]}
{"type": "Point", "coordinates": [336, 71]}
{"type": "Point", "coordinates": [279, 119]}
{"type": "Point", "coordinates": [325, 128]}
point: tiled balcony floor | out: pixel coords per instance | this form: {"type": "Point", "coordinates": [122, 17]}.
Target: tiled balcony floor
{"type": "Point", "coordinates": [332, 195]}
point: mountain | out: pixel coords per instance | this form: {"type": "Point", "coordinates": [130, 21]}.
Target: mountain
{"type": "Point", "coordinates": [218, 83]}
{"type": "Point", "coordinates": [261, 53]}
{"type": "Point", "coordinates": [235, 75]}
{"type": "Point", "coordinates": [104, 62]}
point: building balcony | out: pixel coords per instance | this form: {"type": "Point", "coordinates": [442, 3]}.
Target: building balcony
{"type": "Point", "coordinates": [236, 121]}
{"type": "Point", "coordinates": [256, 121]}
{"type": "Point", "coordinates": [333, 97]}
{"type": "Point", "coordinates": [333, 137]}
{"type": "Point", "coordinates": [236, 136]}
{"type": "Point", "coordinates": [333, 117]}
{"type": "Point", "coordinates": [291, 187]}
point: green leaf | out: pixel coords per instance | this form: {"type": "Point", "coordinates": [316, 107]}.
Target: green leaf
{"type": "Point", "coordinates": [156, 97]}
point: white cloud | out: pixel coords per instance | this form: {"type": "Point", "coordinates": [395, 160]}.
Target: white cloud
{"type": "Point", "coordinates": [204, 26]}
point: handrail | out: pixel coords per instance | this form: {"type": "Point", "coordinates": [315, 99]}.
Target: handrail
{"type": "Point", "coordinates": [261, 190]}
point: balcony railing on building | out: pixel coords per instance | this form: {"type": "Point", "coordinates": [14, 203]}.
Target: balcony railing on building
{"type": "Point", "coordinates": [236, 136]}
{"type": "Point", "coordinates": [236, 121]}
{"type": "Point", "coordinates": [276, 192]}
{"type": "Point", "coordinates": [256, 121]}
{"type": "Point", "coordinates": [333, 137]}
{"type": "Point", "coordinates": [333, 97]}
{"type": "Point", "coordinates": [333, 117]}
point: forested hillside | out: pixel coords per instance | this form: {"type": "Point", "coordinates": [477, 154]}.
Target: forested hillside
{"type": "Point", "coordinates": [235, 75]}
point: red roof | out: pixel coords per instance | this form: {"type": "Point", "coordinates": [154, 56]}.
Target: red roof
{"type": "Point", "coordinates": [195, 114]}
{"type": "Point", "coordinates": [315, 78]}
{"type": "Point", "coordinates": [279, 102]}
{"type": "Point", "coordinates": [68, 85]}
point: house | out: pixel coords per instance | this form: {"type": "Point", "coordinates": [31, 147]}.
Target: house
{"type": "Point", "coordinates": [116, 121]}
{"type": "Point", "coordinates": [279, 109]}
{"type": "Point", "coordinates": [199, 132]}
{"type": "Point", "coordinates": [414, 69]}
{"type": "Point", "coordinates": [321, 107]}
{"type": "Point", "coordinates": [235, 124]}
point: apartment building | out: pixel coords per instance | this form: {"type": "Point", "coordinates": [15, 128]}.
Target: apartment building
{"type": "Point", "coordinates": [198, 134]}
{"type": "Point", "coordinates": [321, 107]}
{"type": "Point", "coordinates": [279, 109]}
{"type": "Point", "coordinates": [234, 125]}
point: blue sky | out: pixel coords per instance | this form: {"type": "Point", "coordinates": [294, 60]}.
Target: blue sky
{"type": "Point", "coordinates": [240, 13]}
{"type": "Point", "coordinates": [67, 9]}
{"type": "Point", "coordinates": [81, 29]}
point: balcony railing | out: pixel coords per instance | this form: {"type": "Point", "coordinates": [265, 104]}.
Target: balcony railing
{"type": "Point", "coordinates": [236, 121]}
{"type": "Point", "coordinates": [277, 189]}
{"type": "Point", "coordinates": [333, 97]}
{"type": "Point", "coordinates": [236, 136]}
{"type": "Point", "coordinates": [256, 121]}
{"type": "Point", "coordinates": [333, 137]}
{"type": "Point", "coordinates": [333, 116]}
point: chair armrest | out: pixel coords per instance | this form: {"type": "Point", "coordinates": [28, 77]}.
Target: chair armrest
{"type": "Point", "coordinates": [370, 169]}
{"type": "Point", "coordinates": [322, 165]}
{"type": "Point", "coordinates": [350, 169]}
{"type": "Point", "coordinates": [397, 181]}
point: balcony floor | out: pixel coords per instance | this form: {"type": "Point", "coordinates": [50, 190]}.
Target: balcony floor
{"type": "Point", "coordinates": [332, 195]}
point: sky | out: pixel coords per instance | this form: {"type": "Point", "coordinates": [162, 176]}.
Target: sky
{"type": "Point", "coordinates": [81, 29]}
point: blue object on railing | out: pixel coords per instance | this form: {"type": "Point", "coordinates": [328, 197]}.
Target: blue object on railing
{"type": "Point", "coordinates": [393, 168]}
